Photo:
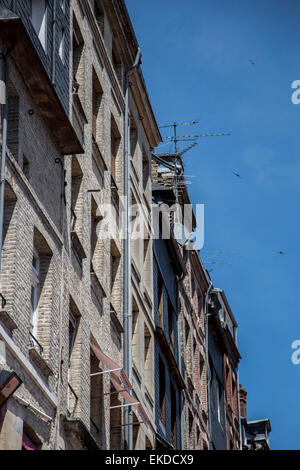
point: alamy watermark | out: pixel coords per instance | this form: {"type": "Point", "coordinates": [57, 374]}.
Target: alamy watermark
{"type": "Point", "coordinates": [295, 357]}
{"type": "Point", "coordinates": [296, 94]}
{"type": "Point", "coordinates": [184, 223]}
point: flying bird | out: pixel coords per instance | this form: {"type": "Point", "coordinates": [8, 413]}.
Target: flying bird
{"type": "Point", "coordinates": [280, 252]}
{"type": "Point", "coordinates": [251, 62]}
{"type": "Point", "coordinates": [236, 174]}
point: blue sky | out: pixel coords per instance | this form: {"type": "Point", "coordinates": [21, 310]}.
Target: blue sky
{"type": "Point", "coordinates": [196, 62]}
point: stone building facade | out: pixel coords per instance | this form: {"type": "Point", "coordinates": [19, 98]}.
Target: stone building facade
{"type": "Point", "coordinates": [63, 255]}
{"type": "Point", "coordinates": [62, 326]}
{"type": "Point", "coordinates": [32, 281]}
{"type": "Point", "coordinates": [193, 345]}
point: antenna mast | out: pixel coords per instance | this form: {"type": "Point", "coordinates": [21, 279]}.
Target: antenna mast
{"type": "Point", "coordinates": [178, 154]}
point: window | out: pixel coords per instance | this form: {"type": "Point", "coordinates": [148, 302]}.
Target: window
{"type": "Point", "coordinates": [117, 65]}
{"type": "Point", "coordinates": [41, 293]}
{"type": "Point", "coordinates": [115, 275]}
{"type": "Point", "coordinates": [148, 375]}
{"type": "Point", "coordinates": [136, 233]}
{"type": "Point", "coordinates": [162, 392]}
{"type": "Point", "coordinates": [96, 105]}
{"type": "Point", "coordinates": [133, 141]}
{"type": "Point", "coordinates": [39, 20]}
{"type": "Point", "coordinates": [73, 326]}
{"type": "Point", "coordinates": [95, 251]}
{"type": "Point", "coordinates": [115, 144]}
{"type": "Point", "coordinates": [194, 346]}
{"type": "Point", "coordinates": [35, 291]}
{"type": "Point", "coordinates": [146, 172]}
{"type": "Point", "coordinates": [96, 397]}
{"type": "Point", "coordinates": [160, 299]}
{"type": "Point", "coordinates": [174, 416]}
{"type": "Point", "coordinates": [61, 42]}
{"type": "Point", "coordinates": [136, 433]}
{"type": "Point", "coordinates": [26, 167]}
{"type": "Point", "coordinates": [171, 324]}
{"type": "Point", "coordinates": [78, 61]}
{"type": "Point", "coordinates": [234, 395]}
{"type": "Point", "coordinates": [62, 4]}
{"type": "Point", "coordinates": [135, 341]}
{"type": "Point", "coordinates": [191, 422]}
{"type": "Point", "coordinates": [74, 345]}
{"type": "Point", "coordinates": [114, 264]}
{"type": "Point", "coordinates": [199, 303]}
{"type": "Point", "coordinates": [218, 398]}
{"type": "Point", "coordinates": [146, 250]}
{"type": "Point", "coordinates": [201, 366]}
{"type": "Point", "coordinates": [148, 277]}
{"type": "Point", "coordinates": [187, 331]}
{"type": "Point", "coordinates": [76, 197]}
{"type": "Point", "coordinates": [198, 436]}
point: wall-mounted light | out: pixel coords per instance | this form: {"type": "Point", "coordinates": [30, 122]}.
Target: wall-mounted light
{"type": "Point", "coordinates": [9, 383]}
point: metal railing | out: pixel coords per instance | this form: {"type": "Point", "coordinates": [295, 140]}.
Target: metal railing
{"type": "Point", "coordinates": [34, 341]}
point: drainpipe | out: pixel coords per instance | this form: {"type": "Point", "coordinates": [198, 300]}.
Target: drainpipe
{"type": "Point", "coordinates": [208, 372]}
{"type": "Point", "coordinates": [127, 312]}
{"type": "Point", "coordinates": [4, 77]}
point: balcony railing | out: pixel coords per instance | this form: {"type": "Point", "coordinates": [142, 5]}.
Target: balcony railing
{"type": "Point", "coordinates": [34, 342]}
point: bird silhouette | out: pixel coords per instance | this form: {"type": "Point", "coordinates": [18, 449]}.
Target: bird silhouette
{"type": "Point", "coordinates": [251, 62]}
{"type": "Point", "coordinates": [280, 252]}
{"type": "Point", "coordinates": [236, 174]}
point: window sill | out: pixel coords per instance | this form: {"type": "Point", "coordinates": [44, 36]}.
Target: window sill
{"type": "Point", "coordinates": [39, 361]}
{"type": "Point", "coordinates": [7, 321]}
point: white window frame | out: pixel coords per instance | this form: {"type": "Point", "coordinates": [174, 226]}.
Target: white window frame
{"type": "Point", "coordinates": [35, 291]}
{"type": "Point", "coordinates": [73, 320]}
{"type": "Point", "coordinates": [61, 43]}
{"type": "Point", "coordinates": [39, 20]}
{"type": "Point", "coordinates": [219, 398]}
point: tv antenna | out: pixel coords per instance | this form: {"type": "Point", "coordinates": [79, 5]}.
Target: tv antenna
{"type": "Point", "coordinates": [175, 138]}
{"type": "Point", "coordinates": [215, 254]}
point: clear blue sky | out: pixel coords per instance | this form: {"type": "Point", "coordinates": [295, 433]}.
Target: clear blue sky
{"type": "Point", "coordinates": [196, 62]}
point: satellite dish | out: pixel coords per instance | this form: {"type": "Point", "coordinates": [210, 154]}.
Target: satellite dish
{"type": "Point", "coordinates": [182, 234]}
